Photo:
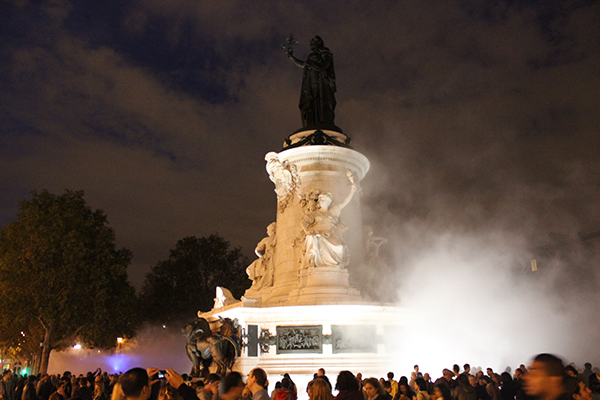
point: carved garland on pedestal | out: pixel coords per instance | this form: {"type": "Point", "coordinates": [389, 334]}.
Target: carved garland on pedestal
{"type": "Point", "coordinates": [266, 340]}
{"type": "Point", "coordinates": [309, 202]}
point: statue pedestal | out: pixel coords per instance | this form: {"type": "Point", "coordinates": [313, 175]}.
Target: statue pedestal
{"type": "Point", "coordinates": [303, 172]}
{"type": "Point", "coordinates": [309, 315]}
{"type": "Point", "coordinates": [359, 337]}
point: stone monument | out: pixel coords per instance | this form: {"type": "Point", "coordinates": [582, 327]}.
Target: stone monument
{"type": "Point", "coordinates": [302, 312]}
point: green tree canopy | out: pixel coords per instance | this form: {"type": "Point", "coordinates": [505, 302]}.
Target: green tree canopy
{"type": "Point", "coordinates": [61, 277]}
{"type": "Point", "coordinates": [175, 289]}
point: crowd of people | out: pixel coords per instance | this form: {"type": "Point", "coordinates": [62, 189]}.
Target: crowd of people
{"type": "Point", "coordinates": [93, 386]}
{"type": "Point", "coordinates": [546, 379]}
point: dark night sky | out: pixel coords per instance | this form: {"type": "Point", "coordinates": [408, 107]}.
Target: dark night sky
{"type": "Point", "coordinates": [476, 115]}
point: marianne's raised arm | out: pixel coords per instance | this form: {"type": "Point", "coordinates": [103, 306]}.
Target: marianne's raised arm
{"type": "Point", "coordinates": [296, 61]}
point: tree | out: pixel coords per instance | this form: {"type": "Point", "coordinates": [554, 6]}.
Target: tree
{"type": "Point", "coordinates": [61, 277]}
{"type": "Point", "coordinates": [175, 289]}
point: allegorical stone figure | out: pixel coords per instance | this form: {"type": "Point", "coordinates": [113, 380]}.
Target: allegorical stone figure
{"type": "Point", "coordinates": [372, 247]}
{"type": "Point", "coordinates": [317, 98]}
{"type": "Point", "coordinates": [324, 243]}
{"type": "Point", "coordinates": [261, 270]}
{"type": "Point", "coordinates": [285, 177]}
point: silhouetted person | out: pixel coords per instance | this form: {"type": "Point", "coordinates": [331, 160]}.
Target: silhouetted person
{"type": "Point", "coordinates": [441, 392]}
{"type": "Point", "coordinates": [286, 392]}
{"type": "Point", "coordinates": [29, 391]}
{"type": "Point", "coordinates": [347, 386]}
{"type": "Point", "coordinates": [6, 387]}
{"type": "Point", "coordinates": [479, 389]}
{"type": "Point", "coordinates": [68, 387]}
{"type": "Point", "coordinates": [429, 383]}
{"type": "Point", "coordinates": [421, 389]}
{"type": "Point", "coordinates": [374, 390]}
{"type": "Point", "coordinates": [546, 378]}
{"type": "Point", "coordinates": [587, 372]}
{"type": "Point", "coordinates": [571, 371]}
{"type": "Point", "coordinates": [210, 391]}
{"type": "Point", "coordinates": [256, 382]}
{"type": "Point", "coordinates": [45, 387]}
{"type": "Point", "coordinates": [387, 388]}
{"type": "Point", "coordinates": [508, 389]}
{"type": "Point", "coordinates": [393, 384]}
{"type": "Point", "coordinates": [582, 392]}
{"type": "Point", "coordinates": [321, 375]}
{"type": "Point", "coordinates": [464, 390]}
{"type": "Point", "coordinates": [83, 391]}
{"type": "Point", "coordinates": [135, 384]}
{"type": "Point", "coordinates": [446, 379]}
{"type": "Point", "coordinates": [60, 393]}
{"type": "Point", "coordinates": [233, 385]}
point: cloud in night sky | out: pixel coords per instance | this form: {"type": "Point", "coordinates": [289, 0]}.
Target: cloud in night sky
{"type": "Point", "coordinates": [476, 116]}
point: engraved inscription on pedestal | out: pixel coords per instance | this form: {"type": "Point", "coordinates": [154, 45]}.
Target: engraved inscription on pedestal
{"type": "Point", "coordinates": [354, 339]}
{"type": "Point", "coordinates": [299, 339]}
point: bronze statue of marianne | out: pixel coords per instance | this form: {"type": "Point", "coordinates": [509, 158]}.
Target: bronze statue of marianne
{"type": "Point", "coordinates": [317, 99]}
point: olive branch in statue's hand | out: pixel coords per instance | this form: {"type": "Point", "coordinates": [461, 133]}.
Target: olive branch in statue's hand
{"type": "Point", "coordinates": [351, 178]}
{"type": "Point", "coordinates": [289, 45]}
{"type": "Point", "coordinates": [355, 186]}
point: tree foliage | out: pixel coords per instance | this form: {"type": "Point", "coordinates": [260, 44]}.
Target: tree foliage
{"type": "Point", "coordinates": [61, 277]}
{"type": "Point", "coordinates": [177, 288]}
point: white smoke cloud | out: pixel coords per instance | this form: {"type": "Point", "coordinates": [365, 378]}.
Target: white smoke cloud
{"type": "Point", "coordinates": [472, 300]}
{"type": "Point", "coordinates": [156, 347]}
